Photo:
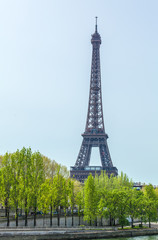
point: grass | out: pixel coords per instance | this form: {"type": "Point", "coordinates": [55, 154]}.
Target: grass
{"type": "Point", "coordinates": [96, 229]}
{"type": "Point", "coordinates": [130, 228]}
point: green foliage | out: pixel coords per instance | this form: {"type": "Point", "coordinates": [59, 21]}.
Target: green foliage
{"type": "Point", "coordinates": [58, 189]}
{"type": "Point", "coordinates": [65, 198]}
{"type": "Point", "coordinates": [51, 168]}
{"type": "Point", "coordinates": [90, 199]}
{"type": "Point", "coordinates": [114, 198]}
{"type": "Point", "coordinates": [123, 198]}
{"type": "Point", "coordinates": [44, 199]}
{"type": "Point", "coordinates": [71, 194]}
{"type": "Point", "coordinates": [37, 177]}
{"type": "Point", "coordinates": [134, 204]}
{"type": "Point", "coordinates": [15, 175]}
{"type": "Point", "coordinates": [150, 203]}
{"type": "Point", "coordinates": [33, 182]}
{"type": "Point", "coordinates": [26, 178]}
{"type": "Point", "coordinates": [27, 183]}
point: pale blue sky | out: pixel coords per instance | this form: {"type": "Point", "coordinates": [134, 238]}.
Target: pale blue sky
{"type": "Point", "coordinates": [45, 60]}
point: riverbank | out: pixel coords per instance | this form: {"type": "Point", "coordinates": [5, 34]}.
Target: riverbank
{"type": "Point", "coordinates": [71, 233]}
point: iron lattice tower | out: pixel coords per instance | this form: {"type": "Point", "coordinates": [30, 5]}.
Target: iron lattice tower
{"type": "Point", "coordinates": [94, 135]}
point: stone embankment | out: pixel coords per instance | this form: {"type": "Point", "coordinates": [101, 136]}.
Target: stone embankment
{"type": "Point", "coordinates": [71, 233]}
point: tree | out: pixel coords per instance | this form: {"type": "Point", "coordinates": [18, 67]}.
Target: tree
{"type": "Point", "coordinates": [44, 197]}
{"type": "Point", "coordinates": [52, 198]}
{"type": "Point", "coordinates": [51, 168]}
{"type": "Point", "coordinates": [111, 205]}
{"type": "Point", "coordinates": [65, 198]}
{"type": "Point", "coordinates": [123, 181]}
{"type": "Point", "coordinates": [1, 158]}
{"type": "Point", "coordinates": [26, 178]}
{"type": "Point", "coordinates": [37, 178]}
{"type": "Point", "coordinates": [141, 207]}
{"type": "Point", "coordinates": [16, 183]}
{"type": "Point", "coordinates": [150, 192]}
{"type": "Point", "coordinates": [122, 196]}
{"type": "Point", "coordinates": [90, 200]}
{"type": "Point", "coordinates": [101, 209]}
{"type": "Point", "coordinates": [134, 203]}
{"type": "Point", "coordinates": [6, 183]}
{"type": "Point", "coordinates": [79, 199]}
{"type": "Point", "coordinates": [150, 203]}
{"type": "Point", "coordinates": [150, 207]}
{"type": "Point", "coordinates": [71, 197]}
{"type": "Point", "coordinates": [58, 193]}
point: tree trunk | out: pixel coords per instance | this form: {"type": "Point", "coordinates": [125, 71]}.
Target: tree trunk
{"type": "Point", "coordinates": [44, 215]}
{"type": "Point", "coordinates": [8, 222]}
{"type": "Point", "coordinates": [25, 212]}
{"type": "Point", "coordinates": [149, 223]}
{"type": "Point", "coordinates": [21, 211]}
{"type": "Point", "coordinates": [96, 222]}
{"type": "Point", "coordinates": [122, 225]}
{"type": "Point", "coordinates": [58, 215]}
{"type": "Point", "coordinates": [6, 207]}
{"type": "Point", "coordinates": [90, 222]}
{"type": "Point", "coordinates": [110, 221]}
{"type": "Point", "coordinates": [51, 215]}
{"type": "Point", "coordinates": [65, 220]}
{"type": "Point", "coordinates": [72, 218]}
{"type": "Point", "coordinates": [25, 218]}
{"type": "Point", "coordinates": [5, 211]}
{"type": "Point", "coordinates": [17, 217]}
{"type": "Point", "coordinates": [114, 222]}
{"type": "Point", "coordinates": [79, 223]}
{"type": "Point", "coordinates": [132, 222]}
{"type": "Point", "coordinates": [35, 216]}
{"type": "Point", "coordinates": [101, 222]}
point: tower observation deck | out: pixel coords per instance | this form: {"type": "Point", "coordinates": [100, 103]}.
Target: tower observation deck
{"type": "Point", "coordinates": [94, 134]}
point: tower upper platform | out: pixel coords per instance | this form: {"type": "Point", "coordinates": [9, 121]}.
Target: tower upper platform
{"type": "Point", "coordinates": [96, 36]}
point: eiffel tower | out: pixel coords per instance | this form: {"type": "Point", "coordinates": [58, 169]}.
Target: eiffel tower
{"type": "Point", "coordinates": [94, 135]}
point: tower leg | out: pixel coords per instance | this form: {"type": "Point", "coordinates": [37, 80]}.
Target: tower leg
{"type": "Point", "coordinates": [84, 154]}
{"type": "Point", "coordinates": [105, 155]}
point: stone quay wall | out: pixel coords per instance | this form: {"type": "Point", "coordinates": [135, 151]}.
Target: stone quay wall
{"type": "Point", "coordinates": [53, 234]}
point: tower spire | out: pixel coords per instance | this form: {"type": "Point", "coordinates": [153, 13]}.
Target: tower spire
{"type": "Point", "coordinates": [96, 24]}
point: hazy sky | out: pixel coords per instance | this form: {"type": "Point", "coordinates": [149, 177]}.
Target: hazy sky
{"type": "Point", "coordinates": [45, 60]}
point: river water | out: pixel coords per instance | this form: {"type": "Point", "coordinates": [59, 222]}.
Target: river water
{"type": "Point", "coordinates": [154, 237]}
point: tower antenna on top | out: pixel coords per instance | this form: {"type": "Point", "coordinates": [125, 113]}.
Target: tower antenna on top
{"type": "Point", "coordinates": [96, 23]}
